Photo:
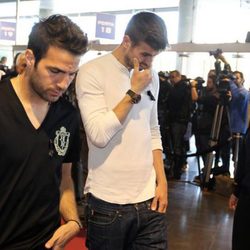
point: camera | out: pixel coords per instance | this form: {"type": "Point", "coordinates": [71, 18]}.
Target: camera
{"type": "Point", "coordinates": [223, 81]}
{"type": "Point", "coordinates": [199, 81]}
{"type": "Point", "coordinates": [223, 77]}
{"type": "Point", "coordinates": [215, 52]}
{"type": "Point", "coordinates": [164, 74]}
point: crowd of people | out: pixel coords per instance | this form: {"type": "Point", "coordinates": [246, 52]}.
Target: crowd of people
{"type": "Point", "coordinates": [197, 102]}
{"type": "Point", "coordinates": [130, 115]}
{"type": "Point", "coordinates": [219, 113]}
{"type": "Point", "coordinates": [18, 66]}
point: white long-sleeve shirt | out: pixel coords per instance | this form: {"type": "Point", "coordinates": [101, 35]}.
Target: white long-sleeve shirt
{"type": "Point", "coordinates": [120, 155]}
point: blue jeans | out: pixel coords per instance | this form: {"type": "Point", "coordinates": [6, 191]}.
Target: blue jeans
{"type": "Point", "coordinates": [124, 227]}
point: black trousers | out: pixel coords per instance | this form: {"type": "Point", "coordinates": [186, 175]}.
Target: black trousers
{"type": "Point", "coordinates": [241, 236]}
{"type": "Point", "coordinates": [178, 131]}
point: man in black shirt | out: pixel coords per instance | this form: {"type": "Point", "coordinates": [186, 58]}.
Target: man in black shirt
{"type": "Point", "coordinates": [240, 198]}
{"type": "Point", "coordinates": [163, 117]}
{"type": "Point", "coordinates": [39, 139]}
{"type": "Point", "coordinates": [179, 103]}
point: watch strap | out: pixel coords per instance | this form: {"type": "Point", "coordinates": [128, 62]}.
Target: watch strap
{"type": "Point", "coordinates": [135, 98]}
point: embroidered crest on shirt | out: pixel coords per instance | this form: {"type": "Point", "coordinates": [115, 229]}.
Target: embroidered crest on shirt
{"type": "Point", "coordinates": [61, 141]}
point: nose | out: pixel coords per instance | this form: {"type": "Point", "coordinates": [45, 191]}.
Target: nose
{"type": "Point", "coordinates": [64, 82]}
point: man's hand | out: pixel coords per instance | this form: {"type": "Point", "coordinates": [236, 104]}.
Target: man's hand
{"type": "Point", "coordinates": [233, 200]}
{"type": "Point", "coordinates": [62, 236]}
{"type": "Point", "coordinates": [221, 57]}
{"type": "Point", "coordinates": [160, 201]}
{"type": "Point", "coordinates": [193, 83]}
{"type": "Point", "coordinates": [140, 79]}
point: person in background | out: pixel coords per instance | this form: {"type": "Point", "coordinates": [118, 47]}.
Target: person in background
{"type": "Point", "coordinates": [126, 186]}
{"type": "Point", "coordinates": [238, 111]}
{"type": "Point", "coordinates": [19, 63]}
{"type": "Point", "coordinates": [223, 79]}
{"type": "Point", "coordinates": [39, 141]}
{"type": "Point", "coordinates": [179, 103]}
{"type": "Point", "coordinates": [3, 64]}
{"type": "Point", "coordinates": [163, 118]}
{"type": "Point", "coordinates": [13, 67]}
{"type": "Point", "coordinates": [2, 73]}
{"type": "Point", "coordinates": [207, 98]}
{"type": "Point", "coordinates": [240, 198]}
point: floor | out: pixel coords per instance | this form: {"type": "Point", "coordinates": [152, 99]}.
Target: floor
{"type": "Point", "coordinates": [197, 219]}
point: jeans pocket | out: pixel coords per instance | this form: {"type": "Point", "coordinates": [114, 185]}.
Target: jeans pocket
{"type": "Point", "coordinates": [100, 216]}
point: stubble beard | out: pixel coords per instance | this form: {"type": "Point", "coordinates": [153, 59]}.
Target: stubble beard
{"type": "Point", "coordinates": [38, 90]}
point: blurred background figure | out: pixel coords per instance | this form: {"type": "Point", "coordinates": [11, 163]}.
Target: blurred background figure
{"type": "Point", "coordinates": [179, 103]}
{"type": "Point", "coordinates": [3, 64]}
{"type": "Point", "coordinates": [239, 199]}
{"type": "Point", "coordinates": [238, 112]}
{"type": "Point", "coordinates": [20, 63]}
{"type": "Point", "coordinates": [163, 117]}
{"type": "Point", "coordinates": [2, 73]}
{"type": "Point", "coordinates": [206, 99]}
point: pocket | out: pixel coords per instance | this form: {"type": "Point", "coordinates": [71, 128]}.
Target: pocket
{"type": "Point", "coordinates": [100, 216]}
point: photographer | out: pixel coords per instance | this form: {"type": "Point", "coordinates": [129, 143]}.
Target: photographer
{"type": "Point", "coordinates": [238, 106]}
{"type": "Point", "coordinates": [238, 110]}
{"type": "Point", "coordinates": [207, 99]}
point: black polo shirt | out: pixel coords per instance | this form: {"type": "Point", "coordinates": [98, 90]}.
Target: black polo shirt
{"type": "Point", "coordinates": [30, 169]}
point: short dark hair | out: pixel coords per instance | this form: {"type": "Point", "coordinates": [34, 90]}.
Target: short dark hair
{"type": "Point", "coordinates": [240, 73]}
{"type": "Point", "coordinates": [176, 72]}
{"type": "Point", "coordinates": [3, 58]}
{"type": "Point", "coordinates": [59, 31]}
{"type": "Point", "coordinates": [148, 27]}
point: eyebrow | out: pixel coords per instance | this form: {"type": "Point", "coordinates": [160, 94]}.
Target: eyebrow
{"type": "Point", "coordinates": [147, 54]}
{"type": "Point", "coordinates": [61, 71]}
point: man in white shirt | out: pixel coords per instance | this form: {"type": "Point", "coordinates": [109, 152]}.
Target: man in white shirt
{"type": "Point", "coordinates": [126, 185]}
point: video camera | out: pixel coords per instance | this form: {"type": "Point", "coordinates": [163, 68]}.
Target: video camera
{"type": "Point", "coordinates": [223, 77]}
{"type": "Point", "coordinates": [223, 82]}
{"type": "Point", "coordinates": [164, 74]}
{"type": "Point", "coordinates": [215, 52]}
{"type": "Point", "coordinates": [200, 82]}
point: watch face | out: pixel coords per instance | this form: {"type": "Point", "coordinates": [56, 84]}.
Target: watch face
{"type": "Point", "coordinates": [137, 98]}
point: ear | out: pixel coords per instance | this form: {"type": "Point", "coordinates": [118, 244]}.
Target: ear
{"type": "Point", "coordinates": [30, 58]}
{"type": "Point", "coordinates": [126, 42]}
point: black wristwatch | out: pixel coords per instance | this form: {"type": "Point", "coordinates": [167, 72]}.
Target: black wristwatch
{"type": "Point", "coordinates": [135, 98]}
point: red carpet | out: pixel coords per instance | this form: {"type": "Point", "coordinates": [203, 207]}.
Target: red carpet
{"type": "Point", "coordinates": [77, 243]}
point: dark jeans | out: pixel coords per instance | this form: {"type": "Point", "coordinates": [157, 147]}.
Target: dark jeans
{"type": "Point", "coordinates": [124, 227]}
{"type": "Point", "coordinates": [241, 240]}
{"type": "Point", "coordinates": [201, 142]}
{"type": "Point", "coordinates": [178, 131]}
